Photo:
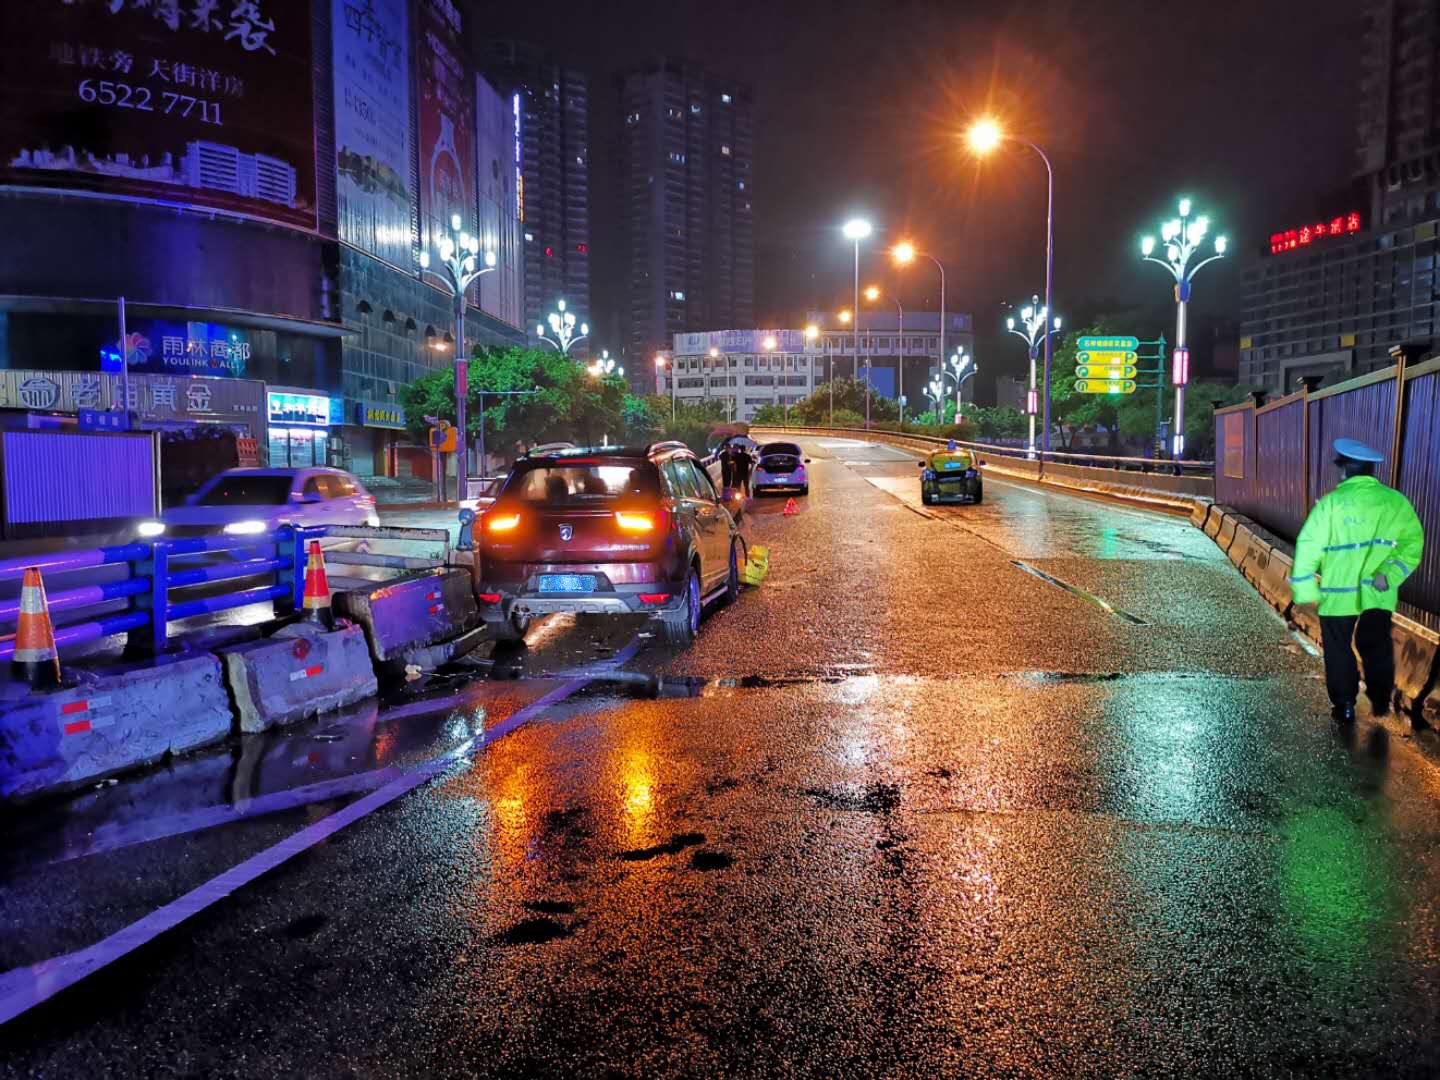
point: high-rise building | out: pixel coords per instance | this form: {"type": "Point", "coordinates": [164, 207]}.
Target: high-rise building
{"type": "Point", "coordinates": [555, 170]}
{"type": "Point", "coordinates": [686, 153]}
{"type": "Point", "coordinates": [1331, 292]}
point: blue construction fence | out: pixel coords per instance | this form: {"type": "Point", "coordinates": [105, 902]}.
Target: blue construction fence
{"type": "Point", "coordinates": [148, 586]}
{"type": "Point", "coordinates": [1273, 461]}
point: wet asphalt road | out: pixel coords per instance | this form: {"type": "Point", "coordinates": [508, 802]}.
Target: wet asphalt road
{"type": "Point", "coordinates": [1034, 788]}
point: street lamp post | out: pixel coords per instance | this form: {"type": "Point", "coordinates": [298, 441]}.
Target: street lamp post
{"type": "Point", "coordinates": [856, 229]}
{"type": "Point", "coordinates": [1035, 319]}
{"type": "Point", "coordinates": [962, 367]}
{"type": "Point", "coordinates": [984, 136]}
{"type": "Point", "coordinates": [660, 361]}
{"type": "Point", "coordinates": [461, 263]}
{"type": "Point", "coordinates": [605, 366]}
{"type": "Point", "coordinates": [847, 318]}
{"type": "Point", "coordinates": [904, 253]}
{"type": "Point", "coordinates": [872, 294]}
{"type": "Point", "coordinates": [1182, 237]}
{"type": "Point", "coordinates": [562, 325]}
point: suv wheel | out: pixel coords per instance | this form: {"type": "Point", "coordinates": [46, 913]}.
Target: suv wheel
{"type": "Point", "coordinates": [511, 629]}
{"type": "Point", "coordinates": [681, 625]}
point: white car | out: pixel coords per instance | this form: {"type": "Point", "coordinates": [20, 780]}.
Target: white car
{"type": "Point", "coordinates": [781, 465]}
{"type": "Point", "coordinates": [246, 502]}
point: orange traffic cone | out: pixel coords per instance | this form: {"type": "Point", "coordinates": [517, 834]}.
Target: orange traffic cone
{"type": "Point", "coordinates": [790, 507]}
{"type": "Point", "coordinates": [316, 603]}
{"type": "Point", "coordinates": [35, 660]}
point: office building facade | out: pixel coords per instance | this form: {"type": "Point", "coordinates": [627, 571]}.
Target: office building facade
{"type": "Point", "coordinates": [686, 155]}
{"type": "Point", "coordinates": [553, 105]}
{"type": "Point", "coordinates": [1329, 295]}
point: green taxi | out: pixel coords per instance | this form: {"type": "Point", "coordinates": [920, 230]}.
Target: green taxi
{"type": "Point", "coordinates": [950, 475]}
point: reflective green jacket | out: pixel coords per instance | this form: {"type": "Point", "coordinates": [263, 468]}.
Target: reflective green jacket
{"type": "Point", "coordinates": [1360, 529]}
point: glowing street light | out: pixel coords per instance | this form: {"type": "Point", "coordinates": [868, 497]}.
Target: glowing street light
{"type": "Point", "coordinates": [984, 136]}
{"type": "Point", "coordinates": [904, 254]}
{"type": "Point", "coordinates": [605, 366]}
{"type": "Point", "coordinates": [1183, 238]}
{"type": "Point", "coordinates": [1035, 318]}
{"type": "Point", "coordinates": [562, 325]}
{"type": "Point", "coordinates": [962, 367]}
{"type": "Point", "coordinates": [460, 265]}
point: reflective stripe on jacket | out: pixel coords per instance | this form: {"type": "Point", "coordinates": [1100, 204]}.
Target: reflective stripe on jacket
{"type": "Point", "coordinates": [1360, 529]}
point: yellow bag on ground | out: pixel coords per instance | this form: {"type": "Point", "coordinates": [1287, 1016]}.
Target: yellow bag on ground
{"type": "Point", "coordinates": [757, 565]}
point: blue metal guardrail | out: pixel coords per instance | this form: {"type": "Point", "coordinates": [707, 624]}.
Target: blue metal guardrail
{"type": "Point", "coordinates": [156, 570]}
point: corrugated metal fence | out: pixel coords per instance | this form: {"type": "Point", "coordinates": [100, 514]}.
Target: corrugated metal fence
{"type": "Point", "coordinates": [1273, 462]}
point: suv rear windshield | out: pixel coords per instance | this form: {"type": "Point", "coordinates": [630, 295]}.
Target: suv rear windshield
{"type": "Point", "coordinates": [247, 491]}
{"type": "Point", "coordinates": [771, 449]}
{"type": "Point", "coordinates": [588, 483]}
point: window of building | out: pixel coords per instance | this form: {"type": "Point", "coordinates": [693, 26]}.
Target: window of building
{"type": "Point", "coordinates": [725, 99]}
{"type": "Point", "coordinates": [724, 149]}
{"type": "Point", "coordinates": [741, 185]}
{"type": "Point", "coordinates": [677, 294]}
{"type": "Point", "coordinates": [633, 118]}
{"type": "Point", "coordinates": [694, 108]}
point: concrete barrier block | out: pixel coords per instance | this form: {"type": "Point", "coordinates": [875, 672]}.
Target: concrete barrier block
{"type": "Point", "coordinates": [1215, 519]}
{"type": "Point", "coordinates": [1225, 535]}
{"type": "Point", "coordinates": [301, 671]}
{"type": "Point", "coordinates": [1415, 655]}
{"type": "Point", "coordinates": [1200, 513]}
{"type": "Point", "coordinates": [413, 612]}
{"type": "Point", "coordinates": [1274, 583]}
{"type": "Point", "coordinates": [116, 720]}
{"type": "Point", "coordinates": [1257, 562]}
{"type": "Point", "coordinates": [1240, 546]}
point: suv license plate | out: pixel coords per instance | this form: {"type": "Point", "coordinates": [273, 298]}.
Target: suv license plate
{"type": "Point", "coordinates": [567, 582]}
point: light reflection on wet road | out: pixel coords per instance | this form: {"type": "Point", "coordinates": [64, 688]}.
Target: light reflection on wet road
{"type": "Point", "coordinates": [905, 809]}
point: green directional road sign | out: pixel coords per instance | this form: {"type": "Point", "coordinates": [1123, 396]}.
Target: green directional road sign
{"type": "Point", "coordinates": [1104, 386]}
{"type": "Point", "coordinates": [1104, 371]}
{"type": "Point", "coordinates": [1091, 343]}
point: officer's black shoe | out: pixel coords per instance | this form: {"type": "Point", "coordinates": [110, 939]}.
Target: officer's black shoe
{"type": "Point", "coordinates": [1343, 714]}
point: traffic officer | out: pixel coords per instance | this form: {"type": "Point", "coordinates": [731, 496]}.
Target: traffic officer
{"type": "Point", "coordinates": [1358, 544]}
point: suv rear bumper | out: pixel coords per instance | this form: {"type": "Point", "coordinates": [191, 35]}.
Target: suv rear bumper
{"type": "Point", "coordinates": [611, 599]}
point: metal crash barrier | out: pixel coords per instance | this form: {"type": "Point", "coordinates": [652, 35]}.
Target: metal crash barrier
{"type": "Point", "coordinates": [154, 584]}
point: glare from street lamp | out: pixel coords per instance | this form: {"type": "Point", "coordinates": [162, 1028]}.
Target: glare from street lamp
{"type": "Point", "coordinates": [455, 222]}
{"type": "Point", "coordinates": [1009, 324]}
{"type": "Point", "coordinates": [1221, 243]}
{"type": "Point", "coordinates": [1185, 207]}
{"type": "Point", "coordinates": [984, 135]}
{"type": "Point", "coordinates": [872, 293]}
{"type": "Point", "coordinates": [714, 352]}
{"type": "Point", "coordinates": [845, 316]}
{"type": "Point", "coordinates": [659, 361]}
{"type": "Point", "coordinates": [812, 332]}
{"type": "Point", "coordinates": [857, 229]}
{"type": "Point", "coordinates": [1147, 245]}
{"type": "Point", "coordinates": [768, 343]}
{"type": "Point", "coordinates": [903, 252]}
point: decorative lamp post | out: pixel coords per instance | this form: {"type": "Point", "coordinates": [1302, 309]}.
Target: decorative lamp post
{"type": "Point", "coordinates": [1035, 319]}
{"type": "Point", "coordinates": [984, 136]}
{"type": "Point", "coordinates": [1182, 237]}
{"type": "Point", "coordinates": [605, 366]}
{"type": "Point", "coordinates": [562, 325]}
{"type": "Point", "coordinates": [935, 391]}
{"type": "Point", "coordinates": [461, 264]}
{"type": "Point", "coordinates": [962, 367]}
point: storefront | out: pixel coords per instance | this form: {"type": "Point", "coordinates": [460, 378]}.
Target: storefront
{"type": "Point", "coordinates": [375, 431]}
{"type": "Point", "coordinates": [299, 428]}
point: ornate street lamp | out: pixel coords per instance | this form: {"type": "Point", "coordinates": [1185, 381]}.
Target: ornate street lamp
{"type": "Point", "coordinates": [1035, 319]}
{"type": "Point", "coordinates": [562, 325]}
{"type": "Point", "coordinates": [460, 266]}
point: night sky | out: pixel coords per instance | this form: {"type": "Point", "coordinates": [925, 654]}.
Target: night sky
{"type": "Point", "coordinates": [1246, 105]}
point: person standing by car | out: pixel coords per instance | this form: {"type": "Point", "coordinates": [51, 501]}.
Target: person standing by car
{"type": "Point", "coordinates": [742, 467]}
{"type": "Point", "coordinates": [1356, 547]}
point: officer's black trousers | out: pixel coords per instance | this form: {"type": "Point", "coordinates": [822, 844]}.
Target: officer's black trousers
{"type": "Point", "coordinates": [1370, 634]}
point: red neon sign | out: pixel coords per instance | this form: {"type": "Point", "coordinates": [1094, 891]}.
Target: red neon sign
{"type": "Point", "coordinates": [1305, 235]}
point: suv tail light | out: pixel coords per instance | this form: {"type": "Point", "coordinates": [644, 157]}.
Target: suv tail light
{"type": "Point", "coordinates": [654, 597]}
{"type": "Point", "coordinates": [632, 521]}
{"type": "Point", "coordinates": [501, 522]}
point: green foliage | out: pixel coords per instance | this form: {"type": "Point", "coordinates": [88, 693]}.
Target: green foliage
{"type": "Point", "coordinates": [849, 398]}
{"type": "Point", "coordinates": [1000, 422]}
{"type": "Point", "coordinates": [770, 415]}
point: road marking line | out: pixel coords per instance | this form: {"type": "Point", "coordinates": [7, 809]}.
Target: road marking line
{"type": "Point", "coordinates": [1075, 590]}
{"type": "Point", "coordinates": [23, 988]}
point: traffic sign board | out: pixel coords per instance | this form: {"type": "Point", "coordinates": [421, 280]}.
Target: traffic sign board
{"type": "Point", "coordinates": [1106, 356]}
{"type": "Point", "coordinates": [1108, 344]}
{"type": "Point", "coordinates": [1105, 371]}
{"type": "Point", "coordinates": [1104, 386]}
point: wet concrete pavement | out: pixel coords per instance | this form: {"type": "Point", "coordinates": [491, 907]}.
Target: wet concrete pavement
{"type": "Point", "coordinates": [908, 808]}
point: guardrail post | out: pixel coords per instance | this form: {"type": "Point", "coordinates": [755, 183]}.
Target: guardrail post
{"type": "Point", "coordinates": [160, 597]}
{"type": "Point", "coordinates": [139, 641]}
{"type": "Point", "coordinates": [290, 537]}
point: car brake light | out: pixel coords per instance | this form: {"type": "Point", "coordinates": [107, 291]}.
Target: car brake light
{"type": "Point", "coordinates": [632, 522]}
{"type": "Point", "coordinates": [489, 597]}
{"type": "Point", "coordinates": [501, 522]}
{"type": "Point", "coordinates": [654, 597]}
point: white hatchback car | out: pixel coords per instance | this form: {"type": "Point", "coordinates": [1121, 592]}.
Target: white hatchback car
{"type": "Point", "coordinates": [244, 502]}
{"type": "Point", "coordinates": [781, 466]}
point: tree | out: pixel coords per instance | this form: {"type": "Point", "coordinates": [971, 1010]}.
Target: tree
{"type": "Point", "coordinates": [770, 415]}
{"type": "Point", "coordinates": [849, 397]}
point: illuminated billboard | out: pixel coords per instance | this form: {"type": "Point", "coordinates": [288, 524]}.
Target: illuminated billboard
{"type": "Point", "coordinates": [447, 124]}
{"type": "Point", "coordinates": [193, 101]}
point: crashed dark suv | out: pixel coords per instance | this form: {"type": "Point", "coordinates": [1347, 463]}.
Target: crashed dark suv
{"type": "Point", "coordinates": [615, 530]}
